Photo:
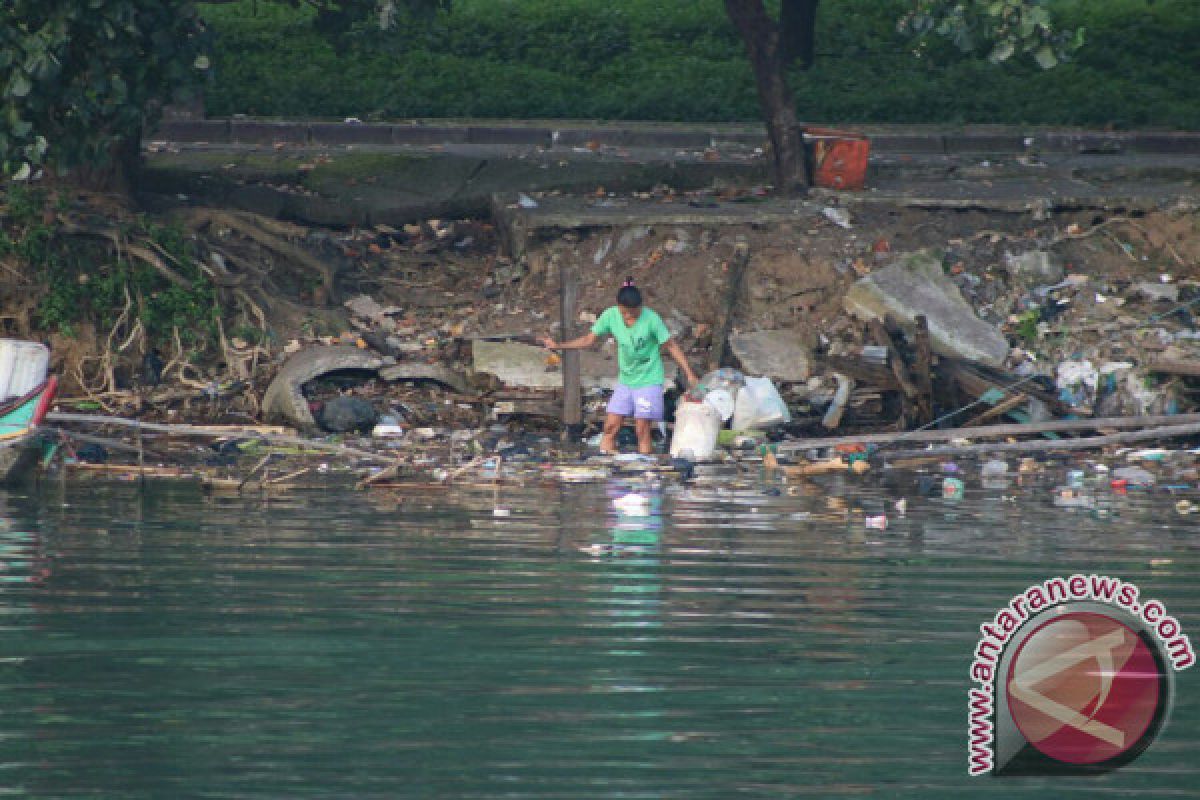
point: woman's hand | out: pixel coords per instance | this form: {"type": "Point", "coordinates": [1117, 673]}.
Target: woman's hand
{"type": "Point", "coordinates": [549, 343]}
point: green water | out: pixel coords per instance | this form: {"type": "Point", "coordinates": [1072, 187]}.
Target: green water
{"type": "Point", "coordinates": [713, 643]}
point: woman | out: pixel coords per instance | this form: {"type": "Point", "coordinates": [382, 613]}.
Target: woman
{"type": "Point", "coordinates": [641, 339]}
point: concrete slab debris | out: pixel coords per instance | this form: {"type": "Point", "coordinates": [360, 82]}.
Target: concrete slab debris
{"type": "Point", "coordinates": [915, 285]}
{"type": "Point", "coordinates": [779, 355]}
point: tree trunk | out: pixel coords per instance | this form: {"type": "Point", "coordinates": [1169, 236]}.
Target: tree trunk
{"type": "Point", "coordinates": [761, 34]}
{"type": "Point", "coordinates": [116, 176]}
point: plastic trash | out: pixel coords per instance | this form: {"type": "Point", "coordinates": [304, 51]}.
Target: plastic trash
{"type": "Point", "coordinates": [837, 216]}
{"type": "Point", "coordinates": [759, 406]}
{"type": "Point", "coordinates": [1133, 476]}
{"type": "Point", "coordinates": [388, 425]}
{"type": "Point", "coordinates": [952, 489]}
{"type": "Point", "coordinates": [632, 504]}
{"type": "Point", "coordinates": [723, 401]}
{"type": "Point", "coordinates": [878, 522]}
{"type": "Point", "coordinates": [994, 468]}
{"type": "Point", "coordinates": [1148, 454]}
{"type": "Point", "coordinates": [1075, 478]}
{"type": "Point", "coordinates": [696, 428]}
{"type": "Point", "coordinates": [1070, 497]}
{"type": "Point", "coordinates": [725, 378]}
{"type": "Point", "coordinates": [1071, 374]}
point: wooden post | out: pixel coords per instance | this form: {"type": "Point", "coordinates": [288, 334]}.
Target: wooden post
{"type": "Point", "coordinates": [923, 368]}
{"type": "Point", "coordinates": [572, 415]}
{"type": "Point", "coordinates": [141, 454]}
{"type": "Point", "coordinates": [724, 323]}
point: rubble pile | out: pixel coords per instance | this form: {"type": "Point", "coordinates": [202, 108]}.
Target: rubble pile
{"type": "Point", "coordinates": [873, 318]}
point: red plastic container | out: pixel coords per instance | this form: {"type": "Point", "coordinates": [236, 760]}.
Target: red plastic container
{"type": "Point", "coordinates": [839, 158]}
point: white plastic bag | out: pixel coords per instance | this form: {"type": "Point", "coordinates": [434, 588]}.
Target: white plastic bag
{"type": "Point", "coordinates": [723, 401]}
{"type": "Point", "coordinates": [759, 406]}
{"type": "Point", "coordinates": [696, 429]}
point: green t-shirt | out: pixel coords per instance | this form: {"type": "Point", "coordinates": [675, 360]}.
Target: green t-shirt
{"type": "Point", "coordinates": [637, 347]}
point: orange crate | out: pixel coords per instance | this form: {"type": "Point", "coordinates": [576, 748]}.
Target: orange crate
{"type": "Point", "coordinates": [839, 158]}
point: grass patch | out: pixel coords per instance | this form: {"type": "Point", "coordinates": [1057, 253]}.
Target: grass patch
{"type": "Point", "coordinates": [682, 61]}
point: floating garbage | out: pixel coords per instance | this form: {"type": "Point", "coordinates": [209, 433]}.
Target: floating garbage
{"type": "Point", "coordinates": [1069, 497]}
{"type": "Point", "coordinates": [878, 522]}
{"type": "Point", "coordinates": [1186, 507]}
{"type": "Point", "coordinates": [633, 504]}
{"type": "Point", "coordinates": [697, 426]}
{"type": "Point", "coordinates": [901, 506]}
{"type": "Point", "coordinates": [952, 489]}
{"type": "Point", "coordinates": [1075, 478]}
{"type": "Point", "coordinates": [994, 468]}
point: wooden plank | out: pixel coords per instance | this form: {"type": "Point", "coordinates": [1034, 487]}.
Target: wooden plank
{"type": "Point", "coordinates": [1040, 446]}
{"type": "Point", "coordinates": [720, 341]}
{"type": "Point", "coordinates": [992, 431]}
{"type": "Point", "coordinates": [875, 375]}
{"type": "Point", "coordinates": [572, 408]}
{"type": "Point", "coordinates": [923, 370]}
{"type": "Point", "coordinates": [1003, 407]}
{"type": "Point", "coordinates": [883, 339]}
{"type": "Point", "coordinates": [1186, 368]}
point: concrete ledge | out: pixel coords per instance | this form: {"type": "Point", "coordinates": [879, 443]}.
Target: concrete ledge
{"type": "Point", "coordinates": [682, 140]}
{"type": "Point", "coordinates": [342, 133]}
{"type": "Point", "coordinates": [249, 132]}
{"type": "Point", "coordinates": [985, 143]}
{"type": "Point", "coordinates": [907, 143]}
{"type": "Point", "coordinates": [884, 139]}
{"type": "Point", "coordinates": [501, 134]}
{"type": "Point", "coordinates": [428, 134]}
{"type": "Point", "coordinates": [580, 137]}
{"type": "Point", "coordinates": [744, 139]}
{"type": "Point", "coordinates": [1174, 143]}
{"type": "Point", "coordinates": [1081, 142]}
{"type": "Point", "coordinates": [193, 130]}
{"type": "Point", "coordinates": [623, 137]}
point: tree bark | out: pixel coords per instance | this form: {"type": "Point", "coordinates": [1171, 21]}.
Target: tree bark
{"type": "Point", "coordinates": [117, 175]}
{"type": "Point", "coordinates": [762, 36]}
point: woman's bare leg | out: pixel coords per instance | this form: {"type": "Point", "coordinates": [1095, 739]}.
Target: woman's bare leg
{"type": "Point", "coordinates": [644, 427]}
{"type": "Point", "coordinates": [612, 426]}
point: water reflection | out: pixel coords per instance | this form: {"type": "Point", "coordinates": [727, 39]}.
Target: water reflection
{"type": "Point", "coordinates": [626, 639]}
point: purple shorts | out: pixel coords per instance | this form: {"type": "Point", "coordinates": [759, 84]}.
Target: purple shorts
{"type": "Point", "coordinates": [645, 402]}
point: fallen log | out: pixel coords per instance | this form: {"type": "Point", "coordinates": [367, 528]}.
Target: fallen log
{"type": "Point", "coordinates": [204, 430]}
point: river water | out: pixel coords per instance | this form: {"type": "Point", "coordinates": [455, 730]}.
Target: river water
{"type": "Point", "coordinates": [540, 642]}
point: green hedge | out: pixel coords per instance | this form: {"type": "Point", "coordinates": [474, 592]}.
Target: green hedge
{"type": "Point", "coordinates": [681, 61]}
